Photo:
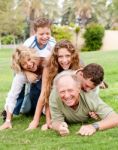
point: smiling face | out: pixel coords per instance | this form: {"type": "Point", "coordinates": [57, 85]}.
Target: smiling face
{"type": "Point", "coordinates": [30, 64]}
{"type": "Point", "coordinates": [64, 58]}
{"type": "Point", "coordinates": [43, 35]}
{"type": "Point", "coordinates": [68, 91]}
{"type": "Point", "coordinates": [86, 83]}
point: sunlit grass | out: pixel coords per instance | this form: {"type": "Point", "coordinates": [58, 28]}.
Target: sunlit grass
{"type": "Point", "coordinates": [18, 138]}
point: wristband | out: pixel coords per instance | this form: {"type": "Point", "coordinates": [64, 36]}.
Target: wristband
{"type": "Point", "coordinates": [96, 126]}
{"type": "Point", "coordinates": [8, 120]}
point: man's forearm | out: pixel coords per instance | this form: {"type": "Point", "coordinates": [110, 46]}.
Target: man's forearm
{"type": "Point", "coordinates": [61, 128]}
{"type": "Point", "coordinates": [109, 122]}
{"type": "Point", "coordinates": [56, 125]}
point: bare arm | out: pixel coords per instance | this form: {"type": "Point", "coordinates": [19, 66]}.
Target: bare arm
{"type": "Point", "coordinates": [40, 103]}
{"type": "Point", "coordinates": [31, 77]}
{"type": "Point", "coordinates": [16, 87]}
{"type": "Point", "coordinates": [7, 124]}
{"type": "Point", "coordinates": [109, 122]}
{"type": "Point", "coordinates": [48, 116]}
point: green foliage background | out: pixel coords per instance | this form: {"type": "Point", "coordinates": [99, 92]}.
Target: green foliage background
{"type": "Point", "coordinates": [93, 37]}
{"type": "Point", "coordinates": [61, 32]}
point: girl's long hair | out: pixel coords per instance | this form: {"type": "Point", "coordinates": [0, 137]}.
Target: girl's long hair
{"type": "Point", "coordinates": [53, 66]}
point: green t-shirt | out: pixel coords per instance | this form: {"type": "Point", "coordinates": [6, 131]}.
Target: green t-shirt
{"type": "Point", "coordinates": [88, 102]}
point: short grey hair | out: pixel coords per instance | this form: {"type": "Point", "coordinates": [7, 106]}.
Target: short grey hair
{"type": "Point", "coordinates": [70, 73]}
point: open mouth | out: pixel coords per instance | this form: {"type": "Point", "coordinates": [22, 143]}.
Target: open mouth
{"type": "Point", "coordinates": [33, 66]}
{"type": "Point", "coordinates": [44, 41]}
{"type": "Point", "coordinates": [65, 66]}
{"type": "Point", "coordinates": [68, 102]}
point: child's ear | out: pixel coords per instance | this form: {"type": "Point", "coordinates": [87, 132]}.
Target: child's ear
{"type": "Point", "coordinates": [81, 73]}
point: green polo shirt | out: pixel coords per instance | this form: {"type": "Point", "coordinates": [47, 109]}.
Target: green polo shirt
{"type": "Point", "coordinates": [88, 102]}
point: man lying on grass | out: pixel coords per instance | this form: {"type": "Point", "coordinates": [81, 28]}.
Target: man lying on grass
{"type": "Point", "coordinates": [68, 103]}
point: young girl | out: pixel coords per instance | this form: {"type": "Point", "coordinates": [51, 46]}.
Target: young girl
{"type": "Point", "coordinates": [64, 56]}
{"type": "Point", "coordinates": [23, 59]}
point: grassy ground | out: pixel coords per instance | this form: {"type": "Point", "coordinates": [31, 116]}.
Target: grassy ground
{"type": "Point", "coordinates": [38, 140]}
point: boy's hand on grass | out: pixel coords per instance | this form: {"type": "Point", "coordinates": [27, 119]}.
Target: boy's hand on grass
{"type": "Point", "coordinates": [6, 125]}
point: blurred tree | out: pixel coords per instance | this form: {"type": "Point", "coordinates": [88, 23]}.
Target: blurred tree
{"type": "Point", "coordinates": [31, 9]}
{"type": "Point", "coordinates": [68, 14]}
{"type": "Point", "coordinates": [11, 20]}
{"type": "Point", "coordinates": [51, 9]}
{"type": "Point", "coordinates": [87, 11]}
{"type": "Point", "coordinates": [115, 14]}
{"type": "Point", "coordinates": [83, 11]}
{"type": "Point", "coordinates": [115, 3]}
{"type": "Point", "coordinates": [5, 7]}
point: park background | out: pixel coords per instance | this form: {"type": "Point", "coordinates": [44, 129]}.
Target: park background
{"type": "Point", "coordinates": [71, 20]}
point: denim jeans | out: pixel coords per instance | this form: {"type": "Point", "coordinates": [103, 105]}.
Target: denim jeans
{"type": "Point", "coordinates": [32, 96]}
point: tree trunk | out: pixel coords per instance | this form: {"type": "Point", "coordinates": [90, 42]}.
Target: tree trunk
{"type": "Point", "coordinates": [76, 40]}
{"type": "Point", "coordinates": [0, 42]}
{"type": "Point", "coordinates": [32, 12]}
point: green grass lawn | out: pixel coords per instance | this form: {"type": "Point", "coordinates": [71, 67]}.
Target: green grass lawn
{"type": "Point", "coordinates": [39, 140]}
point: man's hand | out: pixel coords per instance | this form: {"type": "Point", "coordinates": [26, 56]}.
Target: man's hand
{"type": "Point", "coordinates": [86, 130]}
{"type": "Point", "coordinates": [32, 125]}
{"type": "Point", "coordinates": [6, 125]}
{"type": "Point", "coordinates": [63, 129]}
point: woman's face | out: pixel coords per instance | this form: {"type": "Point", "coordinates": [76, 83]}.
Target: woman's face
{"type": "Point", "coordinates": [64, 58]}
{"type": "Point", "coordinates": [30, 64]}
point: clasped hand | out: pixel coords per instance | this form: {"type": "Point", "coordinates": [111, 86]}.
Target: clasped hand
{"type": "Point", "coordinates": [63, 129]}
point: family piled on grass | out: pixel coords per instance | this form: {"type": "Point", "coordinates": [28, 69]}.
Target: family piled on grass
{"type": "Point", "coordinates": [51, 75]}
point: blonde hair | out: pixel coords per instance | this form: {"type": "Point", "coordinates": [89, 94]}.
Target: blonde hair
{"type": "Point", "coordinates": [20, 53]}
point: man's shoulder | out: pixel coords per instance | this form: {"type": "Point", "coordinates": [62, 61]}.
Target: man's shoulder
{"type": "Point", "coordinates": [91, 98]}
{"type": "Point", "coordinates": [54, 97]}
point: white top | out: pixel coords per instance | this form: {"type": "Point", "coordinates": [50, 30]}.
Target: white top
{"type": "Point", "coordinates": [43, 52]}
{"type": "Point", "coordinates": [20, 78]}
{"type": "Point", "coordinates": [17, 84]}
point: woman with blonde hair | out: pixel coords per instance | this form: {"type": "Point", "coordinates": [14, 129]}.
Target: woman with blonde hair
{"type": "Point", "coordinates": [64, 56]}
{"type": "Point", "coordinates": [23, 59]}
